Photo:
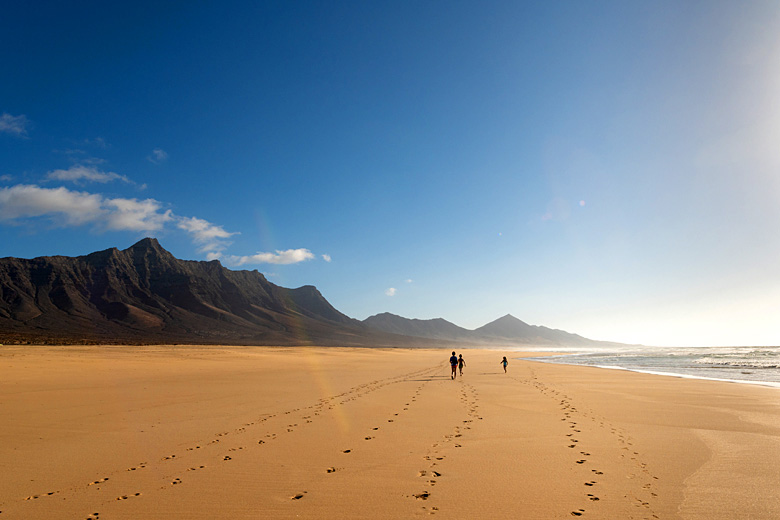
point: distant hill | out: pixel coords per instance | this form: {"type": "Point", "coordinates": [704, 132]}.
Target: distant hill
{"type": "Point", "coordinates": [510, 328]}
{"type": "Point", "coordinates": [434, 329]}
{"type": "Point", "coordinates": [505, 330]}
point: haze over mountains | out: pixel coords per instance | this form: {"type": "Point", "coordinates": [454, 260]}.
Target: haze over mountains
{"type": "Point", "coordinates": [143, 294]}
{"type": "Point", "coordinates": [503, 330]}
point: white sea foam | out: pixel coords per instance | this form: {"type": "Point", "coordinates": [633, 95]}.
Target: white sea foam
{"type": "Point", "coordinates": [753, 365]}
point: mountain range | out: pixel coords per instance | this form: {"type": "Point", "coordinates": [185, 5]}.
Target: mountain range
{"type": "Point", "coordinates": [143, 294]}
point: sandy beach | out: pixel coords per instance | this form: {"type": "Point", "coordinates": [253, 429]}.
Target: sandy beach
{"type": "Point", "coordinates": [120, 432]}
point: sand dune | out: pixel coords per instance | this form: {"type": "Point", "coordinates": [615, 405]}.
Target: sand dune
{"type": "Point", "coordinates": [231, 432]}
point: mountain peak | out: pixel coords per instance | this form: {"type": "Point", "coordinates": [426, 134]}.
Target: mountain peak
{"type": "Point", "coordinates": [507, 319]}
{"type": "Point", "coordinates": [147, 243]}
{"type": "Point", "coordinates": [506, 326]}
{"type": "Point", "coordinates": [149, 247]}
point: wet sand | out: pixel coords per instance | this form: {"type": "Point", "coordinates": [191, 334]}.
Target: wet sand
{"type": "Point", "coordinates": [230, 432]}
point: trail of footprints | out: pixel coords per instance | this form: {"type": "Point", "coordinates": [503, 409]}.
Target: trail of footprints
{"type": "Point", "coordinates": [570, 416]}
{"type": "Point", "coordinates": [438, 450]}
{"type": "Point", "coordinates": [312, 411]}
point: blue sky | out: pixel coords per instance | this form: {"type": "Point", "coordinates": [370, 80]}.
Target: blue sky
{"type": "Point", "coordinates": [607, 168]}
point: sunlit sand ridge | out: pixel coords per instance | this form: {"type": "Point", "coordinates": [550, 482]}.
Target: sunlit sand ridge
{"type": "Point", "coordinates": [226, 432]}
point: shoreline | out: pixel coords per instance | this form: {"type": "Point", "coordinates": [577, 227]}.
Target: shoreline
{"type": "Point", "coordinates": [770, 384]}
{"type": "Point", "coordinates": [325, 432]}
{"type": "Point", "coordinates": [560, 358]}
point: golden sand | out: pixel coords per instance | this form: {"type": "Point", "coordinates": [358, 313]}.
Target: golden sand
{"type": "Point", "coordinates": [239, 433]}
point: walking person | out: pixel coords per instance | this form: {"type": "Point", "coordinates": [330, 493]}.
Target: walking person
{"type": "Point", "coordinates": [454, 365]}
{"type": "Point", "coordinates": [461, 363]}
{"type": "Point", "coordinates": [505, 363]}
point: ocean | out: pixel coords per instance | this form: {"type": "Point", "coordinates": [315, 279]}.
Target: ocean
{"type": "Point", "coordinates": [754, 365]}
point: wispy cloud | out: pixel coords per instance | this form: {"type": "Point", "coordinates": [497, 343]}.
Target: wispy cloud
{"type": "Point", "coordinates": [98, 142]}
{"type": "Point", "coordinates": [80, 173]}
{"type": "Point", "coordinates": [14, 125]}
{"type": "Point", "coordinates": [6, 178]}
{"type": "Point", "coordinates": [327, 258]}
{"type": "Point", "coordinates": [64, 207]}
{"type": "Point", "coordinates": [391, 291]}
{"type": "Point", "coordinates": [157, 156]}
{"type": "Point", "coordinates": [290, 256]}
{"type": "Point", "coordinates": [135, 215]}
{"type": "Point", "coordinates": [210, 237]}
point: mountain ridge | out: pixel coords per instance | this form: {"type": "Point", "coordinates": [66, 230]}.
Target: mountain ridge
{"type": "Point", "coordinates": [144, 294]}
{"type": "Point", "coordinates": [504, 330]}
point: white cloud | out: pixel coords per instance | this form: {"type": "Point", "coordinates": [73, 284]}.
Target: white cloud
{"type": "Point", "coordinates": [327, 258]}
{"type": "Point", "coordinates": [64, 208]}
{"type": "Point", "coordinates": [391, 291]}
{"type": "Point", "coordinates": [210, 236]}
{"type": "Point", "coordinates": [136, 215]}
{"type": "Point", "coordinates": [6, 178]}
{"type": "Point", "coordinates": [290, 256]}
{"type": "Point", "coordinates": [67, 207]}
{"type": "Point", "coordinates": [79, 172]}
{"type": "Point", "coordinates": [74, 208]}
{"type": "Point", "coordinates": [157, 156]}
{"type": "Point", "coordinates": [14, 125]}
{"type": "Point", "coordinates": [409, 280]}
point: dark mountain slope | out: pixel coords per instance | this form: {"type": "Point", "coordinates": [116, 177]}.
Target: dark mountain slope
{"type": "Point", "coordinates": [144, 293]}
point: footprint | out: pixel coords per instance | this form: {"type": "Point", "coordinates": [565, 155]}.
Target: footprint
{"type": "Point", "coordinates": [422, 496]}
{"type": "Point", "coordinates": [227, 457]}
{"type": "Point", "coordinates": [581, 461]}
{"type": "Point", "coordinates": [331, 470]}
{"type": "Point", "coordinates": [591, 483]}
{"type": "Point", "coordinates": [125, 497]}
{"type": "Point", "coordinates": [176, 481]}
{"type": "Point", "coordinates": [578, 512]}
{"type": "Point", "coordinates": [593, 497]}
{"type": "Point", "coordinates": [297, 496]}
{"type": "Point", "coordinates": [99, 481]}
{"type": "Point", "coordinates": [346, 451]}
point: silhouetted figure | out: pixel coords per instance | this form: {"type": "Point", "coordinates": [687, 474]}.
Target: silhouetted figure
{"type": "Point", "coordinates": [461, 363]}
{"type": "Point", "coordinates": [454, 365]}
{"type": "Point", "coordinates": [505, 363]}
